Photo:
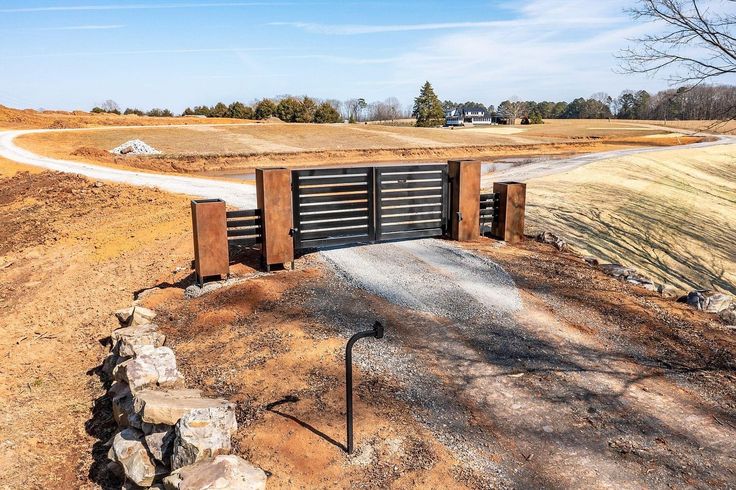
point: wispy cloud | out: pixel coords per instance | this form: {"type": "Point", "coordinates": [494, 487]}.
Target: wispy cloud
{"type": "Point", "coordinates": [141, 6]}
{"type": "Point", "coordinates": [356, 29]}
{"type": "Point", "coordinates": [135, 52]}
{"type": "Point", "coordinates": [83, 28]}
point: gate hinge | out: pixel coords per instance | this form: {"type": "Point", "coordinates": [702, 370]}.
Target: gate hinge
{"type": "Point", "coordinates": [459, 216]}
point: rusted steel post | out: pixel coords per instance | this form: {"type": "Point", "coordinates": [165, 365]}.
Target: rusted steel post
{"type": "Point", "coordinates": [209, 225]}
{"type": "Point", "coordinates": [464, 199]}
{"type": "Point", "coordinates": [273, 187]}
{"type": "Point", "coordinates": [512, 208]}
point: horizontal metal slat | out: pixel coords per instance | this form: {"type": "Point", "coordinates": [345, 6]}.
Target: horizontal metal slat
{"type": "Point", "coordinates": [338, 179]}
{"type": "Point", "coordinates": [409, 209]}
{"type": "Point", "coordinates": [363, 196]}
{"type": "Point", "coordinates": [433, 184]}
{"type": "Point", "coordinates": [410, 177]}
{"type": "Point", "coordinates": [245, 241]}
{"type": "Point", "coordinates": [429, 193]}
{"type": "Point", "coordinates": [236, 223]}
{"type": "Point", "coordinates": [488, 204]}
{"type": "Point", "coordinates": [404, 235]}
{"type": "Point", "coordinates": [316, 235]}
{"type": "Point", "coordinates": [389, 227]}
{"type": "Point", "coordinates": [337, 206]}
{"type": "Point", "coordinates": [361, 223]}
{"type": "Point", "coordinates": [244, 232]}
{"type": "Point", "coordinates": [336, 215]}
{"type": "Point", "coordinates": [332, 189]}
{"type": "Point", "coordinates": [412, 217]}
{"type": "Point", "coordinates": [243, 213]}
{"type": "Point", "coordinates": [411, 200]}
{"type": "Point", "coordinates": [489, 212]}
{"type": "Point", "coordinates": [325, 172]}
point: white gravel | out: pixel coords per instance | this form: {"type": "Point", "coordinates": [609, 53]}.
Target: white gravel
{"type": "Point", "coordinates": [431, 276]}
{"type": "Point", "coordinates": [135, 147]}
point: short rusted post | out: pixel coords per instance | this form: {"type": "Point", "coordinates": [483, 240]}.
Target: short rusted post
{"type": "Point", "coordinates": [209, 225]}
{"type": "Point", "coordinates": [512, 208]}
{"type": "Point", "coordinates": [273, 188]}
{"type": "Point", "coordinates": [464, 199]}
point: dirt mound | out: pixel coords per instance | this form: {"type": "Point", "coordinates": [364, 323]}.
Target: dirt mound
{"type": "Point", "coordinates": [90, 152]}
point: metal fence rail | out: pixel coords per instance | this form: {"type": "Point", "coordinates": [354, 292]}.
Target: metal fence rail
{"type": "Point", "coordinates": [489, 210]}
{"type": "Point", "coordinates": [244, 227]}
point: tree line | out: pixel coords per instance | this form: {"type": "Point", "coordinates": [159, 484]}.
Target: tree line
{"type": "Point", "coordinates": [701, 102]}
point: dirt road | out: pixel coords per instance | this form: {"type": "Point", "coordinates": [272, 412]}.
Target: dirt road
{"type": "Point", "coordinates": [536, 387]}
{"type": "Point", "coordinates": [235, 194]}
{"type": "Point", "coordinates": [544, 168]}
{"type": "Point", "coordinates": [243, 195]}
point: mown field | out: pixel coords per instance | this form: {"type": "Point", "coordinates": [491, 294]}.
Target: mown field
{"type": "Point", "coordinates": [669, 214]}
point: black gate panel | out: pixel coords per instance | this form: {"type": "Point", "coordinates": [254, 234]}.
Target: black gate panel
{"type": "Point", "coordinates": [411, 201]}
{"type": "Point", "coordinates": [333, 207]}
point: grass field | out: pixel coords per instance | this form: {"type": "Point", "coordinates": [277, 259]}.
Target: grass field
{"type": "Point", "coordinates": [670, 214]}
{"type": "Point", "coordinates": [234, 147]}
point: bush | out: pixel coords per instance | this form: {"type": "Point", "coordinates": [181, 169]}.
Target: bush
{"type": "Point", "coordinates": [156, 112]}
{"type": "Point", "coordinates": [98, 110]}
{"type": "Point", "coordinates": [290, 109]}
{"type": "Point", "coordinates": [130, 111]}
{"type": "Point", "coordinates": [238, 110]}
{"type": "Point", "coordinates": [325, 113]}
{"type": "Point", "coordinates": [265, 109]}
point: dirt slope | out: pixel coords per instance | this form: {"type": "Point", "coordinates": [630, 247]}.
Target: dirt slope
{"type": "Point", "coordinates": [70, 252]}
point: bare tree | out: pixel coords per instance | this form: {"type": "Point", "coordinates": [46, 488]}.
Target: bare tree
{"type": "Point", "coordinates": [110, 106]}
{"type": "Point", "coordinates": [696, 41]}
{"type": "Point", "coordinates": [512, 108]}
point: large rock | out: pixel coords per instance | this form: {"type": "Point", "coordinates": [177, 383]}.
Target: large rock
{"type": "Point", "coordinates": [129, 451]}
{"type": "Point", "coordinates": [728, 315]}
{"type": "Point", "coordinates": [134, 316]}
{"type": "Point", "coordinates": [151, 367]}
{"type": "Point", "coordinates": [159, 441]}
{"type": "Point", "coordinates": [709, 301]}
{"type": "Point", "coordinates": [203, 433]}
{"type": "Point", "coordinates": [552, 239]}
{"type": "Point", "coordinates": [168, 406]}
{"type": "Point", "coordinates": [224, 471]}
{"type": "Point", "coordinates": [616, 270]}
{"type": "Point", "coordinates": [126, 341]}
{"type": "Point", "coordinates": [122, 406]}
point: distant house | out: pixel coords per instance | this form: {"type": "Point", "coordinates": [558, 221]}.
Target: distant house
{"type": "Point", "coordinates": [462, 117]}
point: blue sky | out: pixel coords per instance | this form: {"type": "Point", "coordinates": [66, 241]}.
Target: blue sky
{"type": "Point", "coordinates": [73, 54]}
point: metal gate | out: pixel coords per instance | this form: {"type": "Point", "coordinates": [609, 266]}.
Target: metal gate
{"type": "Point", "coordinates": [411, 201]}
{"type": "Point", "coordinates": [365, 204]}
{"type": "Point", "coordinates": [332, 207]}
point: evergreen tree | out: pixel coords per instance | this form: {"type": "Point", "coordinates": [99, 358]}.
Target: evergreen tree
{"type": "Point", "coordinates": [428, 108]}
{"type": "Point", "coordinates": [265, 109]}
{"type": "Point", "coordinates": [238, 110]}
{"type": "Point", "coordinates": [326, 113]}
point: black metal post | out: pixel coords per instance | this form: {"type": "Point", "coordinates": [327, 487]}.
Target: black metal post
{"type": "Point", "coordinates": [377, 332]}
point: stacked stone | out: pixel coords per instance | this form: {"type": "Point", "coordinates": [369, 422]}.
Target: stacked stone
{"type": "Point", "coordinates": [164, 428]}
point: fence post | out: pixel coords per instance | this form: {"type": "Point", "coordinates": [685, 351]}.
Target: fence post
{"type": "Point", "coordinates": [464, 199]}
{"type": "Point", "coordinates": [273, 188]}
{"type": "Point", "coordinates": [512, 208]}
{"type": "Point", "coordinates": [209, 225]}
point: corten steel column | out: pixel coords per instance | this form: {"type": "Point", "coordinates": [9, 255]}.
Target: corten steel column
{"type": "Point", "coordinates": [209, 223]}
{"type": "Point", "coordinates": [273, 187]}
{"type": "Point", "coordinates": [464, 199]}
{"type": "Point", "coordinates": [512, 208]}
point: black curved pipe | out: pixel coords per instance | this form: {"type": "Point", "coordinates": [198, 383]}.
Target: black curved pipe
{"type": "Point", "coordinates": [377, 332]}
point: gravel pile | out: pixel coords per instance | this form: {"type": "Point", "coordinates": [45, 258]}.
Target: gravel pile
{"type": "Point", "coordinates": [135, 147]}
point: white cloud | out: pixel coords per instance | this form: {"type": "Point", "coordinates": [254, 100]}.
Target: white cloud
{"type": "Point", "coordinates": [82, 28]}
{"type": "Point", "coordinates": [141, 6]}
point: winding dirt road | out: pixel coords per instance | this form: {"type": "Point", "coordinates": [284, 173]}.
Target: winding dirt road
{"type": "Point", "coordinates": [244, 195]}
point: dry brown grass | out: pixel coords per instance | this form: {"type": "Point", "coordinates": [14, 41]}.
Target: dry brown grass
{"type": "Point", "coordinates": [238, 147]}
{"type": "Point", "coordinates": [670, 215]}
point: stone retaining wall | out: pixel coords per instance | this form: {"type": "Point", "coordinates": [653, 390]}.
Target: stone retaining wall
{"type": "Point", "coordinates": [168, 436]}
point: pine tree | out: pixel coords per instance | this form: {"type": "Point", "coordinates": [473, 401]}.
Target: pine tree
{"type": "Point", "coordinates": [428, 108]}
